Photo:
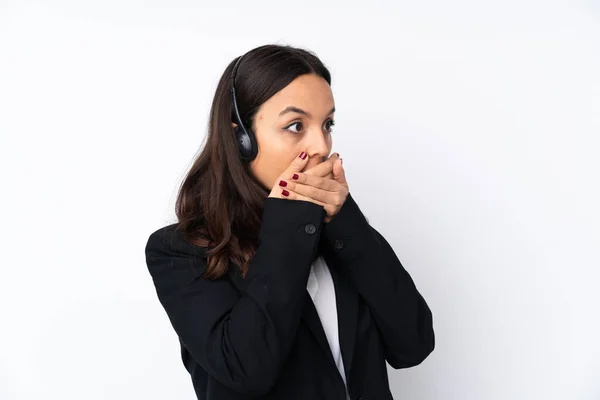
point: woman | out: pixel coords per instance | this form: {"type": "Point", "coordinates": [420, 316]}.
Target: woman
{"type": "Point", "coordinates": [273, 279]}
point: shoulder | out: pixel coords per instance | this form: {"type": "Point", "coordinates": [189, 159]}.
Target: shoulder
{"type": "Point", "coordinates": [170, 240]}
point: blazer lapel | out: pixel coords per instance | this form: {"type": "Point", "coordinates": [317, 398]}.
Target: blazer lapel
{"type": "Point", "coordinates": [309, 312]}
{"type": "Point", "coordinates": [311, 317]}
{"type": "Point", "coordinates": [347, 310]}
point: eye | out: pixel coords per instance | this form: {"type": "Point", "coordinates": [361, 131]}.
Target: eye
{"type": "Point", "coordinates": [298, 125]}
{"type": "Point", "coordinates": [329, 125]}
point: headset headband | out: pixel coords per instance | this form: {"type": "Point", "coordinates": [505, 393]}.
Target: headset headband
{"type": "Point", "coordinates": [235, 107]}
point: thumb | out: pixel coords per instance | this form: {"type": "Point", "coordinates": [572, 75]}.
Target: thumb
{"type": "Point", "coordinates": [338, 172]}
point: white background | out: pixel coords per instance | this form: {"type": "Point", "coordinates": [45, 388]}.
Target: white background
{"type": "Point", "coordinates": [469, 132]}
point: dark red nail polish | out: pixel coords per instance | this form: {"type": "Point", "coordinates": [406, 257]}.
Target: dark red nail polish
{"type": "Point", "coordinates": [302, 155]}
{"type": "Point", "coordinates": [285, 193]}
{"type": "Point", "coordinates": [283, 183]}
{"type": "Point", "coordinates": [295, 177]}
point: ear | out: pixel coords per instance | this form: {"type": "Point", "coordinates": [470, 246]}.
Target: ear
{"type": "Point", "coordinates": [234, 125]}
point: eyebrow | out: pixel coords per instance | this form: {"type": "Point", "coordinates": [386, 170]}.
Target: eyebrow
{"type": "Point", "coordinates": [301, 111]}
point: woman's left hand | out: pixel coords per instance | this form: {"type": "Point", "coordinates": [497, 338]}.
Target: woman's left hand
{"type": "Point", "coordinates": [329, 193]}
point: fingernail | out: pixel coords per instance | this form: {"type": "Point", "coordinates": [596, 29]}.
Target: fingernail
{"type": "Point", "coordinates": [295, 177]}
{"type": "Point", "coordinates": [283, 183]}
{"type": "Point", "coordinates": [303, 155]}
{"type": "Point", "coordinates": [285, 193]}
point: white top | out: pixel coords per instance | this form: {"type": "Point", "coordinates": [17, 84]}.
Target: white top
{"type": "Point", "coordinates": [321, 290]}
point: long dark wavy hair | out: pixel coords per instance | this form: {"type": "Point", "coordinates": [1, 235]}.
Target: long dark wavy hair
{"type": "Point", "coordinates": [220, 204]}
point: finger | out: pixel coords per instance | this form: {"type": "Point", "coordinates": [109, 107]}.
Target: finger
{"type": "Point", "coordinates": [312, 192]}
{"type": "Point", "coordinates": [297, 164]}
{"type": "Point", "coordinates": [323, 183]}
{"type": "Point", "coordinates": [333, 197]}
{"type": "Point", "coordinates": [323, 168]}
{"type": "Point", "coordinates": [338, 172]}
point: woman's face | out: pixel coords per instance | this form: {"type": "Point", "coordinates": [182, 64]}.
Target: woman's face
{"type": "Point", "coordinates": [297, 118]}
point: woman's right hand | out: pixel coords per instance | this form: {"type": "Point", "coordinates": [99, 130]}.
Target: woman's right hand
{"type": "Point", "coordinates": [324, 169]}
{"type": "Point", "coordinates": [297, 165]}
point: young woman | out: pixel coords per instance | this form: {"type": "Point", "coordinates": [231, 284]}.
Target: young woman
{"type": "Point", "coordinates": [273, 279]}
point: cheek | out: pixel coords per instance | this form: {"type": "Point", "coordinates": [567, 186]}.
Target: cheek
{"type": "Point", "coordinates": [274, 161]}
{"type": "Point", "coordinates": [274, 155]}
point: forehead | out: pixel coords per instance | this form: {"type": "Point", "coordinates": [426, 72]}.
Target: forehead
{"type": "Point", "coordinates": [311, 93]}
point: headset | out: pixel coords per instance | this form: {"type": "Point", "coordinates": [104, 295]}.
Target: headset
{"type": "Point", "coordinates": [244, 137]}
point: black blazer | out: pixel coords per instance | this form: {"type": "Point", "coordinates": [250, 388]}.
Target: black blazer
{"type": "Point", "coordinates": [260, 337]}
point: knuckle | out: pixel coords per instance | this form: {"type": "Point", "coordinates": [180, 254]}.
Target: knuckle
{"type": "Point", "coordinates": [339, 200]}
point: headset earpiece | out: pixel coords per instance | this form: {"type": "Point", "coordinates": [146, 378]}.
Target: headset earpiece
{"type": "Point", "coordinates": [246, 144]}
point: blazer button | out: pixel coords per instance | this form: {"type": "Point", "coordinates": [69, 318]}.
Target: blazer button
{"type": "Point", "coordinates": [310, 229]}
{"type": "Point", "coordinates": [338, 244]}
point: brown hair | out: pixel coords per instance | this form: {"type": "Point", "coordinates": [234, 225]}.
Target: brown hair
{"type": "Point", "coordinates": [220, 203]}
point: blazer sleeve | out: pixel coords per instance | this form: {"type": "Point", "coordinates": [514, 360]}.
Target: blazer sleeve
{"type": "Point", "coordinates": [241, 339]}
{"type": "Point", "coordinates": [402, 316]}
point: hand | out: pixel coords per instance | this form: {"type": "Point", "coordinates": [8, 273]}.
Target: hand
{"type": "Point", "coordinates": [324, 169]}
{"type": "Point", "coordinates": [296, 166]}
{"type": "Point", "coordinates": [327, 192]}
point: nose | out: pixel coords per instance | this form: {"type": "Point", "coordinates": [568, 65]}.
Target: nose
{"type": "Point", "coordinates": [317, 146]}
